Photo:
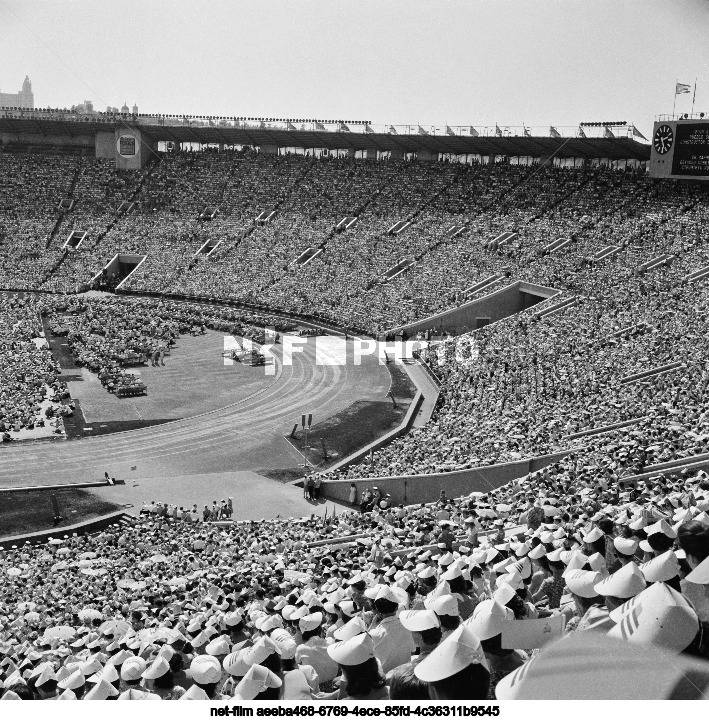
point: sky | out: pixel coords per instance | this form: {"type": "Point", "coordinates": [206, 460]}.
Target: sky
{"type": "Point", "coordinates": [461, 62]}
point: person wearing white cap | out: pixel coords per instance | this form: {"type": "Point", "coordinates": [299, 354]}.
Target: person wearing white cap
{"type": "Point", "coordinates": [625, 549]}
{"type": "Point", "coordinates": [206, 672]}
{"type": "Point", "coordinates": [582, 586]}
{"type": "Point", "coordinates": [259, 684]}
{"type": "Point", "coordinates": [161, 679]}
{"type": "Point", "coordinates": [446, 609]}
{"type": "Point", "coordinates": [132, 673]}
{"type": "Point", "coordinates": [313, 650]}
{"type": "Point", "coordinates": [487, 623]}
{"type": "Point", "coordinates": [362, 677]}
{"type": "Point", "coordinates": [660, 538]}
{"type": "Point", "coordinates": [426, 632]}
{"type": "Point", "coordinates": [457, 669]}
{"type": "Point", "coordinates": [46, 683]}
{"type": "Point", "coordinates": [659, 616]}
{"type": "Point", "coordinates": [393, 644]}
{"type": "Point", "coordinates": [621, 585]}
{"type": "Point", "coordinates": [74, 682]}
{"type": "Point", "coordinates": [693, 538]}
{"type": "Point", "coordinates": [101, 691]}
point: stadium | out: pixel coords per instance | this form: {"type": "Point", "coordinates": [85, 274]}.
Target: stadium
{"type": "Point", "coordinates": [314, 410]}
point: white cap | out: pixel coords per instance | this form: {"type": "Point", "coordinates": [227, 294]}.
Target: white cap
{"type": "Point", "coordinates": [700, 574]}
{"type": "Point", "coordinates": [626, 582]}
{"type": "Point", "coordinates": [352, 628]}
{"type": "Point", "coordinates": [488, 619]}
{"type": "Point", "coordinates": [427, 572]}
{"type": "Point", "coordinates": [587, 666]}
{"type": "Point", "coordinates": [445, 605]}
{"type": "Point", "coordinates": [661, 568]}
{"type": "Point", "coordinates": [383, 592]}
{"type": "Point", "coordinates": [285, 642]}
{"type": "Point", "coordinates": [310, 622]}
{"type": "Point", "coordinates": [452, 573]}
{"type": "Point", "coordinates": [659, 616]}
{"type": "Point", "coordinates": [352, 652]}
{"type": "Point", "coordinates": [593, 535]}
{"type": "Point", "coordinates": [159, 667]}
{"type": "Point", "coordinates": [419, 620]}
{"type": "Point", "coordinates": [661, 527]}
{"type": "Point", "coordinates": [132, 668]}
{"type": "Point", "coordinates": [76, 679]}
{"type": "Point", "coordinates": [101, 691]}
{"type": "Point", "coordinates": [194, 693]}
{"type": "Point", "coordinates": [234, 618]}
{"type": "Point", "coordinates": [461, 649]}
{"type": "Point", "coordinates": [206, 669]}
{"type": "Point", "coordinates": [537, 552]}
{"type": "Point", "coordinates": [219, 646]}
{"type": "Point", "coordinates": [583, 583]}
{"type": "Point", "coordinates": [234, 663]}
{"type": "Point", "coordinates": [256, 681]}
{"type": "Point", "coordinates": [260, 651]}
{"type": "Point", "coordinates": [626, 546]}
{"type": "Point", "coordinates": [504, 593]}
{"type": "Point", "coordinates": [442, 589]}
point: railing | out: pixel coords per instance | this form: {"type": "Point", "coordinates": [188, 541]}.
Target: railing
{"type": "Point", "coordinates": [313, 125]}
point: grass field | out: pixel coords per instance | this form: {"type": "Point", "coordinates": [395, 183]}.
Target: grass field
{"type": "Point", "coordinates": [28, 511]}
{"type": "Point", "coordinates": [354, 427]}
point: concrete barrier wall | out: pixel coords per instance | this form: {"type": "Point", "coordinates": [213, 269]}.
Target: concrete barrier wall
{"type": "Point", "coordinates": [91, 526]}
{"type": "Point", "coordinates": [426, 488]}
{"type": "Point", "coordinates": [500, 304]}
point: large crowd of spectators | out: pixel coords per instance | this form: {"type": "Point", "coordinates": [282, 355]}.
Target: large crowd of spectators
{"type": "Point", "coordinates": [31, 394]}
{"type": "Point", "coordinates": [402, 603]}
{"type": "Point", "coordinates": [422, 603]}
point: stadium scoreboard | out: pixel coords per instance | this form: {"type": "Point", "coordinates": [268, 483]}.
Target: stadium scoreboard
{"type": "Point", "coordinates": [680, 149]}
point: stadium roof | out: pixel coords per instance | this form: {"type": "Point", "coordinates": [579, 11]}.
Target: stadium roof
{"type": "Point", "coordinates": [611, 148]}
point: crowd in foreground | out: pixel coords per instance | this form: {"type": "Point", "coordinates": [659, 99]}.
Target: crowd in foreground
{"type": "Point", "coordinates": [406, 603]}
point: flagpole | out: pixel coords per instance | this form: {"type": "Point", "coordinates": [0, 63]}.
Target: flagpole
{"type": "Point", "coordinates": [694, 97]}
{"type": "Point", "coordinates": [675, 102]}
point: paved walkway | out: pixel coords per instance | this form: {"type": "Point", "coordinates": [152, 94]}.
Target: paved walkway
{"type": "Point", "coordinates": [254, 496]}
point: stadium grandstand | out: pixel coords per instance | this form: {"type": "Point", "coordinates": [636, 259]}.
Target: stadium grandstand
{"type": "Point", "coordinates": [331, 411]}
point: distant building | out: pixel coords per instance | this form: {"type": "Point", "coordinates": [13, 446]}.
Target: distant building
{"type": "Point", "coordinates": [23, 99]}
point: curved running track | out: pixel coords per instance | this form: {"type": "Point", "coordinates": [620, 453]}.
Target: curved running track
{"type": "Point", "coordinates": [247, 435]}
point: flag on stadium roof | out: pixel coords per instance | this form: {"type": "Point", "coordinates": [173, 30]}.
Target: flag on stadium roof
{"type": "Point", "coordinates": [581, 133]}
{"type": "Point", "coordinates": [289, 125]}
{"type": "Point", "coordinates": [368, 128]}
{"type": "Point", "coordinates": [474, 133]}
{"type": "Point", "coordinates": [421, 131]}
{"type": "Point", "coordinates": [553, 132]}
{"type": "Point", "coordinates": [608, 133]}
{"type": "Point", "coordinates": [343, 128]}
{"type": "Point", "coordinates": [449, 131]}
{"type": "Point", "coordinates": [319, 126]}
{"type": "Point", "coordinates": [527, 132]}
{"type": "Point", "coordinates": [681, 88]}
{"type": "Point", "coordinates": [498, 132]}
{"type": "Point", "coordinates": [392, 130]}
{"type": "Point", "coordinates": [637, 133]}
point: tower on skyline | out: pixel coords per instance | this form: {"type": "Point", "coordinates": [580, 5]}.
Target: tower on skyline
{"type": "Point", "coordinates": [23, 99]}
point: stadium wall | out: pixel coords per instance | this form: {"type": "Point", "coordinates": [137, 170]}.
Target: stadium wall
{"type": "Point", "coordinates": [425, 488]}
{"type": "Point", "coordinates": [500, 304]}
{"type": "Point", "coordinates": [56, 141]}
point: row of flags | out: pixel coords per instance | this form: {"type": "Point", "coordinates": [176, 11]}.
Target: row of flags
{"type": "Point", "coordinates": [499, 132]}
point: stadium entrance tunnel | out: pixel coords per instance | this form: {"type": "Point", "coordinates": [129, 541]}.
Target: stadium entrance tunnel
{"type": "Point", "coordinates": [114, 274]}
{"type": "Point", "coordinates": [499, 304]}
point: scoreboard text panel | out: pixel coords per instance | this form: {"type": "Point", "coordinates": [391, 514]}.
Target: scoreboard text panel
{"type": "Point", "coordinates": [680, 149]}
